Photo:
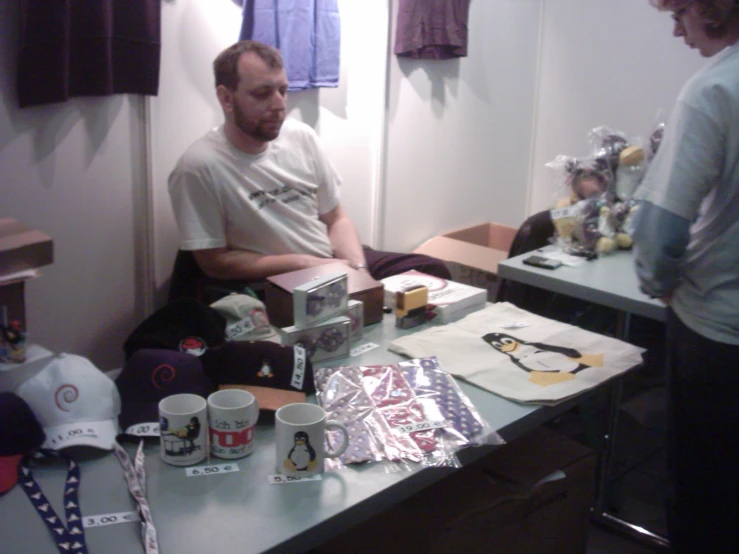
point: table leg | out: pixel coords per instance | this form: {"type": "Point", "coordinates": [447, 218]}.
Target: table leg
{"type": "Point", "coordinates": [600, 513]}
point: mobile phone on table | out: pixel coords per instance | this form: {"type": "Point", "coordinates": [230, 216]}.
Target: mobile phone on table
{"type": "Point", "coordinates": [541, 261]}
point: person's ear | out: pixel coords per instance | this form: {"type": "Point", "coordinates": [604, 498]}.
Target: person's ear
{"type": "Point", "coordinates": [225, 98]}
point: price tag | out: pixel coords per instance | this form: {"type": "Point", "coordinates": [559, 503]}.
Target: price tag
{"type": "Point", "coordinates": [211, 470]}
{"type": "Point", "coordinates": [239, 328]}
{"type": "Point", "coordinates": [419, 426]}
{"type": "Point", "coordinates": [515, 325]}
{"type": "Point", "coordinates": [299, 364]}
{"type": "Point", "coordinates": [559, 213]}
{"type": "Point", "coordinates": [109, 519]}
{"type": "Point", "coordinates": [144, 430]}
{"type": "Point", "coordinates": [61, 439]}
{"type": "Point", "coordinates": [362, 348]}
{"type": "Point", "coordinates": [284, 479]}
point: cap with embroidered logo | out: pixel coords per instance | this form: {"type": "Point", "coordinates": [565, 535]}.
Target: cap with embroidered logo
{"type": "Point", "coordinates": [153, 374]}
{"type": "Point", "coordinates": [275, 374]}
{"type": "Point", "coordinates": [75, 403]}
{"type": "Point", "coordinates": [246, 317]}
{"type": "Point", "coordinates": [186, 325]}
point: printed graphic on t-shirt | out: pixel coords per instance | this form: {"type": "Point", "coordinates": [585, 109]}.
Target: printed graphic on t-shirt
{"type": "Point", "coordinates": [285, 194]}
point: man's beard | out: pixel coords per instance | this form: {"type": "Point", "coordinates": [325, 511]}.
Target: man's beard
{"type": "Point", "coordinates": [256, 131]}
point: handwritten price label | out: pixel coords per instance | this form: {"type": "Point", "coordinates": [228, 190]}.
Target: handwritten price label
{"type": "Point", "coordinates": [240, 328]}
{"type": "Point", "coordinates": [211, 470]}
{"type": "Point", "coordinates": [285, 480]}
{"type": "Point", "coordinates": [59, 440]}
{"type": "Point", "coordinates": [419, 426]}
{"type": "Point", "coordinates": [144, 430]}
{"type": "Point", "coordinates": [109, 519]}
{"type": "Point", "coordinates": [362, 348]}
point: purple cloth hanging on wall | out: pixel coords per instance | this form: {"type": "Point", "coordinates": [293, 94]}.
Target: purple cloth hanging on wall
{"type": "Point", "coordinates": [73, 48]}
{"type": "Point", "coordinates": [306, 32]}
{"type": "Point", "coordinates": [434, 29]}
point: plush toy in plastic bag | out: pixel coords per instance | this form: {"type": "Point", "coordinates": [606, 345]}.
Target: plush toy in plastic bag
{"type": "Point", "coordinates": [578, 180]}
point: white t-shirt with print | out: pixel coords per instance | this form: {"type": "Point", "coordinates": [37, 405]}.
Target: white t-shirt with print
{"type": "Point", "coordinates": [268, 203]}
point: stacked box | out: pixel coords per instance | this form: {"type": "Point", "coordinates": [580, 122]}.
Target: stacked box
{"type": "Point", "coordinates": [325, 341]}
{"type": "Point", "coordinates": [22, 250]}
{"type": "Point", "coordinates": [326, 321]}
{"type": "Point", "coordinates": [361, 286]}
{"type": "Point", "coordinates": [355, 312]}
{"type": "Point", "coordinates": [320, 299]}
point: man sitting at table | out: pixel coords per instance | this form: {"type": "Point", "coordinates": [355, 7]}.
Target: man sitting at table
{"type": "Point", "coordinates": [257, 196]}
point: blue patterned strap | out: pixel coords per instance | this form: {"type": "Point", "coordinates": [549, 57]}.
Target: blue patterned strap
{"type": "Point", "coordinates": [70, 539]}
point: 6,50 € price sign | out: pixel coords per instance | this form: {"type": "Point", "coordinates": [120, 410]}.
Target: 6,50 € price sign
{"type": "Point", "coordinates": [211, 470]}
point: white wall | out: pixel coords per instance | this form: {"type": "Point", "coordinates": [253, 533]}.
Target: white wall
{"type": "Point", "coordinates": [604, 62]}
{"type": "Point", "coordinates": [71, 170]}
{"type": "Point", "coordinates": [459, 138]}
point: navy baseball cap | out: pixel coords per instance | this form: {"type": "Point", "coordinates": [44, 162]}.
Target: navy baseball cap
{"type": "Point", "coordinates": [20, 433]}
{"type": "Point", "coordinates": [150, 375]}
{"type": "Point", "coordinates": [275, 374]}
{"type": "Point", "coordinates": [185, 325]}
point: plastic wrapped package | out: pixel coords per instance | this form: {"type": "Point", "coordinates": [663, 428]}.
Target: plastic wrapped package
{"type": "Point", "coordinates": [410, 412]}
{"type": "Point", "coordinates": [578, 179]}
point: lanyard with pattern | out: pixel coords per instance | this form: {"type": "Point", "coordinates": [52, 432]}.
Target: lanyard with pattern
{"type": "Point", "coordinates": [136, 479]}
{"type": "Point", "coordinates": [70, 538]}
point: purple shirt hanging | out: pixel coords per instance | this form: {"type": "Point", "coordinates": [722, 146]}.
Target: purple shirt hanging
{"type": "Point", "coordinates": [433, 29]}
{"type": "Point", "coordinates": [306, 32]}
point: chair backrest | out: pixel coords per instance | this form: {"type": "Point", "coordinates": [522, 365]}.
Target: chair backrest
{"type": "Point", "coordinates": [186, 276]}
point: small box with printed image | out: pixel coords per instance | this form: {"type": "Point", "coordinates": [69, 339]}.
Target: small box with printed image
{"type": "Point", "coordinates": [320, 299]}
{"type": "Point", "coordinates": [324, 341]}
{"type": "Point", "coordinates": [355, 312]}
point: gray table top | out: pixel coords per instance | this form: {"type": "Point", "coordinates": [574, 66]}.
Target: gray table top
{"type": "Point", "coordinates": [241, 512]}
{"type": "Point", "coordinates": [608, 280]}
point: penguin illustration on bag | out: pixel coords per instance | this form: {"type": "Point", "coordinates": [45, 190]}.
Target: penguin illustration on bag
{"type": "Point", "coordinates": [546, 364]}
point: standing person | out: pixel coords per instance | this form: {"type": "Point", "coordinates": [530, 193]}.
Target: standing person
{"type": "Point", "coordinates": [257, 195]}
{"type": "Point", "coordinates": [687, 254]}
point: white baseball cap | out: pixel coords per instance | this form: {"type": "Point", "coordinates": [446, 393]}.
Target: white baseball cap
{"type": "Point", "coordinates": [246, 317]}
{"type": "Point", "coordinates": [75, 403]}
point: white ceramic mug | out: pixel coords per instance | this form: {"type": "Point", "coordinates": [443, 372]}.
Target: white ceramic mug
{"type": "Point", "coordinates": [300, 439]}
{"type": "Point", "coordinates": [183, 429]}
{"type": "Point", "coordinates": [232, 414]}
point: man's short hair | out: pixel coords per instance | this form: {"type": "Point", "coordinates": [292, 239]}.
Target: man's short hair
{"type": "Point", "coordinates": [226, 65]}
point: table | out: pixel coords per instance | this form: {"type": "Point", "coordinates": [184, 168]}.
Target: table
{"type": "Point", "coordinates": [241, 512]}
{"type": "Point", "coordinates": [610, 281]}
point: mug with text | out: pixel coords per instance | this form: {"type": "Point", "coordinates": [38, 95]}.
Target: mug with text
{"type": "Point", "coordinates": [300, 439]}
{"type": "Point", "coordinates": [183, 429]}
{"type": "Point", "coordinates": [232, 414]}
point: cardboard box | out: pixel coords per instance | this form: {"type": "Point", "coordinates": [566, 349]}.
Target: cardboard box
{"type": "Point", "coordinates": [530, 496]}
{"type": "Point", "coordinates": [279, 299]}
{"type": "Point", "coordinates": [472, 254]}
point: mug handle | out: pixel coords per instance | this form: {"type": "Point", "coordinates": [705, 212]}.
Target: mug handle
{"type": "Point", "coordinates": [331, 424]}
